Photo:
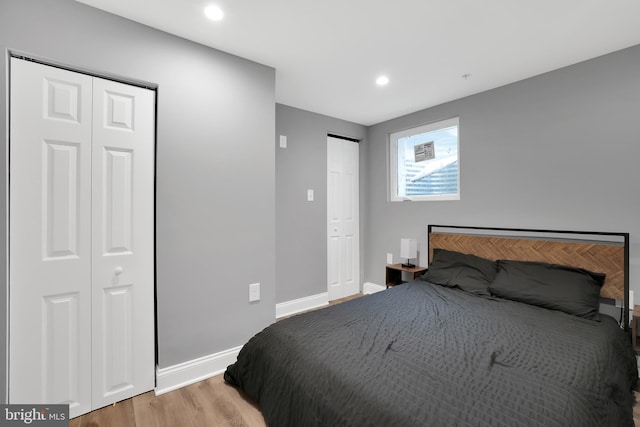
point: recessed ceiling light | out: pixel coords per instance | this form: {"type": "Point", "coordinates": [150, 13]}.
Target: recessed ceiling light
{"type": "Point", "coordinates": [382, 81]}
{"type": "Point", "coordinates": [213, 12]}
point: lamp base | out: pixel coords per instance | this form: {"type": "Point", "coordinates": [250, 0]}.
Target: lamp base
{"type": "Point", "coordinates": [408, 265]}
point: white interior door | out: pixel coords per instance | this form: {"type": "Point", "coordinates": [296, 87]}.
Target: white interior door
{"type": "Point", "coordinates": [49, 237]}
{"type": "Point", "coordinates": [343, 246]}
{"type": "Point", "coordinates": [81, 239]}
{"type": "Point", "coordinates": [123, 249]}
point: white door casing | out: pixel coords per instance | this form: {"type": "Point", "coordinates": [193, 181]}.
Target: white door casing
{"type": "Point", "coordinates": [80, 239]}
{"type": "Point", "coordinates": [343, 247]}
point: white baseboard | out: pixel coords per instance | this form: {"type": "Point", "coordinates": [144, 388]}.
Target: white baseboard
{"type": "Point", "coordinates": [183, 374]}
{"type": "Point", "coordinates": [288, 308]}
{"type": "Point", "coordinates": [372, 288]}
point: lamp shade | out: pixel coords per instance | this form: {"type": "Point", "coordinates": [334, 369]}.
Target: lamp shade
{"type": "Point", "coordinates": [408, 248]}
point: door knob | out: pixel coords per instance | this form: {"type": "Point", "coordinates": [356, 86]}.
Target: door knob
{"type": "Point", "coordinates": [118, 270]}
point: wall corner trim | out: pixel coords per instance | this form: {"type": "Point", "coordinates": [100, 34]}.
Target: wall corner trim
{"type": "Point", "coordinates": [295, 306]}
{"type": "Point", "coordinates": [192, 371]}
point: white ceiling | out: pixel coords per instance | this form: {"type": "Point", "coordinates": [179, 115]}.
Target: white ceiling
{"type": "Point", "coordinates": [328, 53]}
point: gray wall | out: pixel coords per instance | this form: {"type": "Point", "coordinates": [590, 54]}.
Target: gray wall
{"type": "Point", "coordinates": [556, 151]}
{"type": "Point", "coordinates": [301, 226]}
{"type": "Point", "coordinates": [215, 230]}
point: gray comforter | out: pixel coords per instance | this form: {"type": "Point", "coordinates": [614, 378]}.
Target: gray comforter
{"type": "Point", "coordinates": [425, 355]}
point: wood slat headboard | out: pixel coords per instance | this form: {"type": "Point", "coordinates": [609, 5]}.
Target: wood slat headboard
{"type": "Point", "coordinates": [607, 255]}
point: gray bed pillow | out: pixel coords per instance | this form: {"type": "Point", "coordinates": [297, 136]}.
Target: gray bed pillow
{"type": "Point", "coordinates": [468, 272]}
{"type": "Point", "coordinates": [557, 287]}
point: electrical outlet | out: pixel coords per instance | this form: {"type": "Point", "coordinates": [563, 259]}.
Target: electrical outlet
{"type": "Point", "coordinates": [254, 292]}
{"type": "Point", "coordinates": [283, 141]}
{"type": "Point", "coordinates": [620, 303]}
{"type": "Point", "coordinates": [389, 258]}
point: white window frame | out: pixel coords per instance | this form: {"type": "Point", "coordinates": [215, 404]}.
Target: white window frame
{"type": "Point", "coordinates": [393, 160]}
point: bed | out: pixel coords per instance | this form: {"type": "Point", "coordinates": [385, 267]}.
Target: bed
{"type": "Point", "coordinates": [494, 343]}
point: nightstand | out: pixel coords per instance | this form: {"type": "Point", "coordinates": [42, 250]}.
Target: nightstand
{"type": "Point", "coordinates": [394, 273]}
{"type": "Point", "coordinates": [635, 339]}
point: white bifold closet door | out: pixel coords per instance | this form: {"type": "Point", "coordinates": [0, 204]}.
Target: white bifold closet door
{"type": "Point", "coordinates": [81, 242]}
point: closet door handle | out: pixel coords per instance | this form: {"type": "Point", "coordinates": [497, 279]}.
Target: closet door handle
{"type": "Point", "coordinates": [118, 270]}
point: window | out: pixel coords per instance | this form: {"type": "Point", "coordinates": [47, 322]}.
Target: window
{"type": "Point", "coordinates": [424, 162]}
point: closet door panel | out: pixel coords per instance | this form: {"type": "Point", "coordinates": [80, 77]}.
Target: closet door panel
{"type": "Point", "coordinates": [60, 199]}
{"type": "Point", "coordinates": [49, 236]}
{"type": "Point", "coordinates": [118, 201]}
{"type": "Point", "coordinates": [123, 249]}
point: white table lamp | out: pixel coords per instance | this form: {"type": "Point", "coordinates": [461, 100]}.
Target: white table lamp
{"type": "Point", "coordinates": [408, 250]}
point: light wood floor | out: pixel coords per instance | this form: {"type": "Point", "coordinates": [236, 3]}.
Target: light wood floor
{"type": "Point", "coordinates": [211, 402]}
